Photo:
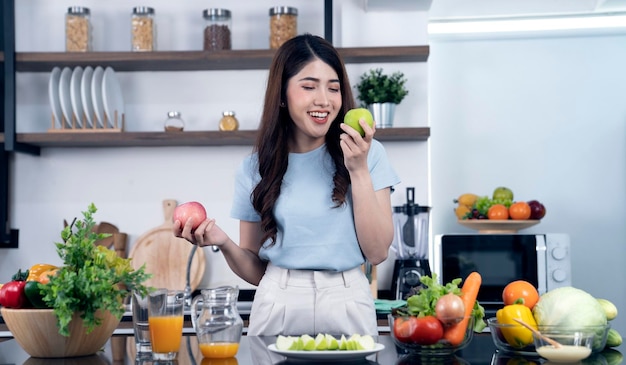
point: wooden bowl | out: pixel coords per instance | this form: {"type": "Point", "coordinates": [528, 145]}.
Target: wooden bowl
{"type": "Point", "coordinates": [35, 330]}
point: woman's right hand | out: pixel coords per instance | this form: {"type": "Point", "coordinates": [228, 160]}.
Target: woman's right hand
{"type": "Point", "coordinates": [208, 233]}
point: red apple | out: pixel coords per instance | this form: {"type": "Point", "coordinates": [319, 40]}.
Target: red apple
{"type": "Point", "coordinates": [537, 210]}
{"type": "Point", "coordinates": [193, 210]}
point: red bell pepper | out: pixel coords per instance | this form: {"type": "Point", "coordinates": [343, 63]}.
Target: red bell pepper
{"type": "Point", "coordinates": [12, 293]}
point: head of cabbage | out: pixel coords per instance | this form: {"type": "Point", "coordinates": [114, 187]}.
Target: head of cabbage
{"type": "Point", "coordinates": [572, 308]}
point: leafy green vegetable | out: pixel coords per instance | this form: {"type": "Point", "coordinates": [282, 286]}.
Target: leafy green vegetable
{"type": "Point", "coordinates": [91, 279]}
{"type": "Point", "coordinates": [572, 308]}
{"type": "Point", "coordinates": [423, 303]}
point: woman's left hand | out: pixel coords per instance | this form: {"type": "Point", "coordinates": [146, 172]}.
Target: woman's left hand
{"type": "Point", "coordinates": [355, 148]}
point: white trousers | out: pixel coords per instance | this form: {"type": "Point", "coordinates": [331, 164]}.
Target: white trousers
{"type": "Point", "coordinates": [296, 302]}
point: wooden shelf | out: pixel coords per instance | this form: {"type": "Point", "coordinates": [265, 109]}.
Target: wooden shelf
{"type": "Point", "coordinates": [201, 138]}
{"type": "Point", "coordinates": [201, 60]}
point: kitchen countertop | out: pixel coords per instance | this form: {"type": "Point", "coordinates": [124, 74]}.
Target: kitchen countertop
{"type": "Point", "coordinates": [253, 351]}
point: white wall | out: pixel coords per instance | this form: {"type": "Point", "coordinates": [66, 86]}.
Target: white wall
{"type": "Point", "coordinates": [545, 116]}
{"type": "Point", "coordinates": [128, 184]}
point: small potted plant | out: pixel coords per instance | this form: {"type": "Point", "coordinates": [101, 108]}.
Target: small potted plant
{"type": "Point", "coordinates": [380, 93]}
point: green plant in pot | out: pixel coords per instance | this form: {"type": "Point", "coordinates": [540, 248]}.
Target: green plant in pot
{"type": "Point", "coordinates": [84, 297]}
{"type": "Point", "coordinates": [380, 93]}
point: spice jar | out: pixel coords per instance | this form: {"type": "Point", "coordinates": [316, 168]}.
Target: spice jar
{"type": "Point", "coordinates": [228, 121]}
{"type": "Point", "coordinates": [77, 29]}
{"type": "Point", "coordinates": [142, 29]}
{"type": "Point", "coordinates": [174, 122]}
{"type": "Point", "coordinates": [217, 29]}
{"type": "Point", "coordinates": [283, 25]}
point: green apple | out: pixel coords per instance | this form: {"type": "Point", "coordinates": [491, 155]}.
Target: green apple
{"type": "Point", "coordinates": [332, 342]}
{"type": "Point", "coordinates": [502, 193]}
{"type": "Point", "coordinates": [354, 115]}
{"type": "Point", "coordinates": [308, 342]}
{"type": "Point", "coordinates": [320, 342]}
{"type": "Point", "coordinates": [285, 342]}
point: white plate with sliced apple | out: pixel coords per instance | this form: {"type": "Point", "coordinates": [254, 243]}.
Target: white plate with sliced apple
{"type": "Point", "coordinates": [325, 347]}
{"type": "Point", "coordinates": [327, 354]}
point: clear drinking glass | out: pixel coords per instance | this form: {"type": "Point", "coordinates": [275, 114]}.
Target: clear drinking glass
{"type": "Point", "coordinates": [140, 323]}
{"type": "Point", "coordinates": [165, 318]}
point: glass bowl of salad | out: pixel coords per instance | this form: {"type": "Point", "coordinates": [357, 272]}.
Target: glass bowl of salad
{"type": "Point", "coordinates": [428, 336]}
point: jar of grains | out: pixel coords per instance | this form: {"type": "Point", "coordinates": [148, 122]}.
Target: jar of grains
{"type": "Point", "coordinates": [217, 29]}
{"type": "Point", "coordinates": [142, 29]}
{"type": "Point", "coordinates": [283, 25]}
{"type": "Point", "coordinates": [77, 29]}
{"type": "Point", "coordinates": [174, 122]}
{"type": "Point", "coordinates": [228, 121]}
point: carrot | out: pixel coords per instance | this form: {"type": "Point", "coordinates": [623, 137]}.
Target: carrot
{"type": "Point", "coordinates": [456, 333]}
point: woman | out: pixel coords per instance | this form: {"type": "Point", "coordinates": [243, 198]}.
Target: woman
{"type": "Point", "coordinates": [313, 202]}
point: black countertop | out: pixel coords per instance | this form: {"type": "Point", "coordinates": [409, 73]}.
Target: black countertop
{"type": "Point", "coordinates": [254, 351]}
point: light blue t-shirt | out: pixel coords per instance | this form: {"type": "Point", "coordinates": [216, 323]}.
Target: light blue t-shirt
{"type": "Point", "coordinates": [313, 234]}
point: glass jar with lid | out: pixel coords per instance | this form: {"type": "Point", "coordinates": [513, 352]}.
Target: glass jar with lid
{"type": "Point", "coordinates": [142, 29]}
{"type": "Point", "coordinates": [283, 25]}
{"type": "Point", "coordinates": [174, 122]}
{"type": "Point", "coordinates": [217, 27]}
{"type": "Point", "coordinates": [228, 121]}
{"type": "Point", "coordinates": [78, 29]}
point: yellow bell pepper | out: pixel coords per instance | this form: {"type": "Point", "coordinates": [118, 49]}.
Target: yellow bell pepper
{"type": "Point", "coordinates": [518, 336]}
{"type": "Point", "coordinates": [35, 271]}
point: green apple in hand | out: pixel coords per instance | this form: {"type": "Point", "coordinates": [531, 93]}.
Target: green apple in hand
{"type": "Point", "coordinates": [354, 115]}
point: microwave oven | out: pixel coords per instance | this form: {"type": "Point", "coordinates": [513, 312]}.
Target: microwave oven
{"type": "Point", "coordinates": [541, 259]}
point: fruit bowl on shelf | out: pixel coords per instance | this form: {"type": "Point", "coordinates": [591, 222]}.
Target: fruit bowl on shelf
{"type": "Point", "coordinates": [497, 226]}
{"type": "Point", "coordinates": [441, 348]}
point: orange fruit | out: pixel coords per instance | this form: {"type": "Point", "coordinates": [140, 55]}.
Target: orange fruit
{"type": "Point", "coordinates": [519, 211]}
{"type": "Point", "coordinates": [498, 212]}
{"type": "Point", "coordinates": [520, 290]}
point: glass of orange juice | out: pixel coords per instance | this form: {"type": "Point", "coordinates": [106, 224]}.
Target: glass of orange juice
{"type": "Point", "coordinates": [165, 319]}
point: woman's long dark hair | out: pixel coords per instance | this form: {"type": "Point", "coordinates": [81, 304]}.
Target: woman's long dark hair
{"type": "Point", "coordinates": [276, 128]}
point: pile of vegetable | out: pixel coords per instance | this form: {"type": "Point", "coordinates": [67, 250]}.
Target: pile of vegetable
{"type": "Point", "coordinates": [440, 313]}
{"type": "Point", "coordinates": [92, 278]}
{"type": "Point", "coordinates": [565, 307]}
{"type": "Point", "coordinates": [23, 289]}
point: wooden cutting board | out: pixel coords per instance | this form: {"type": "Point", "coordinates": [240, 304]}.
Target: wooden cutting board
{"type": "Point", "coordinates": [166, 255]}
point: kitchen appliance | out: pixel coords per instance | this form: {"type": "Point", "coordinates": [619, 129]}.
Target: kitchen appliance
{"type": "Point", "coordinates": [410, 243]}
{"type": "Point", "coordinates": [541, 259]}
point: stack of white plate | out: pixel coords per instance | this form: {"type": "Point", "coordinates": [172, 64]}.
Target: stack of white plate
{"type": "Point", "coordinates": [88, 97]}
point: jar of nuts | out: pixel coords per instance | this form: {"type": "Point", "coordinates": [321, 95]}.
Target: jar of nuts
{"type": "Point", "coordinates": [217, 29]}
{"type": "Point", "coordinates": [142, 29]}
{"type": "Point", "coordinates": [77, 29]}
{"type": "Point", "coordinates": [283, 25]}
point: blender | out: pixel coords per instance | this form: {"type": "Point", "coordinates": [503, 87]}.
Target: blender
{"type": "Point", "coordinates": [410, 243]}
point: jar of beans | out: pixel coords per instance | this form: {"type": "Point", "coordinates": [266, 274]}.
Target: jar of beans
{"type": "Point", "coordinates": [283, 25]}
{"type": "Point", "coordinates": [217, 29]}
{"type": "Point", "coordinates": [142, 29]}
{"type": "Point", "coordinates": [77, 29]}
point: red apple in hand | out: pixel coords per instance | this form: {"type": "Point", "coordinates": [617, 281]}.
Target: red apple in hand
{"type": "Point", "coordinates": [193, 210]}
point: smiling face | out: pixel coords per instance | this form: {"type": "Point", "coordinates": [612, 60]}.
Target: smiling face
{"type": "Point", "coordinates": [314, 100]}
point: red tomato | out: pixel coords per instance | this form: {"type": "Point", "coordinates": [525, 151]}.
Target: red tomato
{"type": "Point", "coordinates": [404, 328]}
{"type": "Point", "coordinates": [428, 332]}
{"type": "Point", "coordinates": [520, 290]}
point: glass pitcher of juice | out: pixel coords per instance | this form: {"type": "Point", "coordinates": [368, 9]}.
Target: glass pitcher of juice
{"type": "Point", "coordinates": [217, 322]}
